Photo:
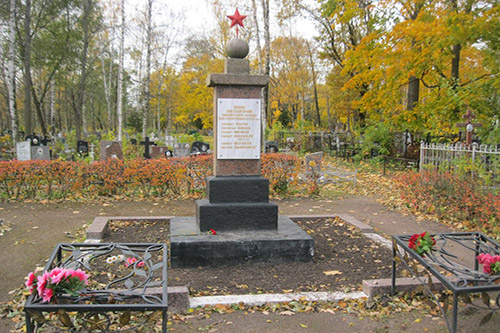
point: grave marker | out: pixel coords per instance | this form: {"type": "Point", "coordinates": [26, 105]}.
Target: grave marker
{"type": "Point", "coordinates": [469, 127]}
{"type": "Point", "coordinates": [182, 149]}
{"type": "Point", "coordinates": [146, 143]}
{"type": "Point", "coordinates": [23, 150]}
{"type": "Point", "coordinates": [82, 147]}
{"type": "Point", "coordinates": [111, 149]}
{"type": "Point", "coordinates": [200, 148]}
{"type": "Point", "coordinates": [160, 151]}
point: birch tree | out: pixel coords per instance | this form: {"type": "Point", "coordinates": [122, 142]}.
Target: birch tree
{"type": "Point", "coordinates": [146, 106]}
{"type": "Point", "coordinates": [11, 80]}
{"type": "Point", "coordinates": [119, 85]}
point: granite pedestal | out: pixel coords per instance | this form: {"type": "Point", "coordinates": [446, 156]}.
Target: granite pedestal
{"type": "Point", "coordinates": [189, 247]}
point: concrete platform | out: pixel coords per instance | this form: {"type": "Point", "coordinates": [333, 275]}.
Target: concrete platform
{"type": "Point", "coordinates": [191, 248]}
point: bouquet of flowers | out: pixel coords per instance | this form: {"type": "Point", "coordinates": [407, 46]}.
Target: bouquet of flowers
{"type": "Point", "coordinates": [422, 243]}
{"type": "Point", "coordinates": [491, 264]}
{"type": "Point", "coordinates": [57, 280]}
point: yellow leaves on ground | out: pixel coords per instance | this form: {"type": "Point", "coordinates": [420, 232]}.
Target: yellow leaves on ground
{"type": "Point", "coordinates": [332, 273]}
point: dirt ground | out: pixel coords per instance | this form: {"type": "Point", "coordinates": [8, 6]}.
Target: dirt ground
{"type": "Point", "coordinates": [343, 258]}
{"type": "Point", "coordinates": [36, 228]}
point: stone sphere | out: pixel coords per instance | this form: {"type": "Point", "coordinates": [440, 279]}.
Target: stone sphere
{"type": "Point", "coordinates": [237, 48]}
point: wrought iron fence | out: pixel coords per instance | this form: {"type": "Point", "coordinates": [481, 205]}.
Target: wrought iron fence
{"type": "Point", "coordinates": [480, 162]}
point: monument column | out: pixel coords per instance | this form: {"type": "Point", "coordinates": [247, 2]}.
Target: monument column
{"type": "Point", "coordinates": [237, 207]}
{"type": "Point", "coordinates": [237, 196]}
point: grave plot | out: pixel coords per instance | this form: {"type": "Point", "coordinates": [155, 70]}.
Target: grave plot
{"type": "Point", "coordinates": [343, 258]}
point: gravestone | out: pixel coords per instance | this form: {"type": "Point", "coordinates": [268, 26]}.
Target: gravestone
{"type": "Point", "coordinates": [82, 147]}
{"type": "Point", "coordinates": [34, 140]}
{"type": "Point", "coordinates": [160, 151]}
{"type": "Point", "coordinates": [111, 149]}
{"type": "Point", "coordinates": [23, 150]}
{"type": "Point", "coordinates": [200, 148]}
{"type": "Point", "coordinates": [182, 149]}
{"type": "Point", "coordinates": [271, 147]}
{"type": "Point", "coordinates": [40, 153]}
{"type": "Point", "coordinates": [169, 140]}
{"type": "Point", "coordinates": [237, 206]}
{"type": "Point", "coordinates": [147, 143]}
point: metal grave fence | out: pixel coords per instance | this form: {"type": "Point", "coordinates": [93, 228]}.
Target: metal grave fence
{"type": "Point", "coordinates": [480, 161]}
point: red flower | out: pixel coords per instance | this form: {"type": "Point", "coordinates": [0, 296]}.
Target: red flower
{"type": "Point", "coordinates": [212, 231]}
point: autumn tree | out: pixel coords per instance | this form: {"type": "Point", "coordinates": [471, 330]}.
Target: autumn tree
{"type": "Point", "coordinates": [445, 50]}
{"type": "Point", "coordinates": [291, 80]}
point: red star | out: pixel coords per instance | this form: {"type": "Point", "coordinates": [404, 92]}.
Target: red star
{"type": "Point", "coordinates": [237, 19]}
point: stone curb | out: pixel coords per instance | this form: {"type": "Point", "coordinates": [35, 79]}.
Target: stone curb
{"type": "Point", "coordinates": [100, 224]}
{"type": "Point", "coordinates": [383, 286]}
{"type": "Point", "coordinates": [364, 228]}
{"type": "Point", "coordinates": [273, 298]}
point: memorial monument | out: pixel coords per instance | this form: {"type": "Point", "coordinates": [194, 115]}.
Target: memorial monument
{"type": "Point", "coordinates": [237, 209]}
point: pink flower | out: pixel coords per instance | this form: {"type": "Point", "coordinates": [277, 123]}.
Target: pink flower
{"type": "Point", "coordinates": [42, 283]}
{"type": "Point", "coordinates": [57, 275]}
{"type": "Point", "coordinates": [131, 261]}
{"type": "Point", "coordinates": [487, 260]}
{"type": "Point", "coordinates": [31, 281]}
{"type": "Point", "coordinates": [79, 274]}
{"type": "Point", "coordinates": [47, 294]}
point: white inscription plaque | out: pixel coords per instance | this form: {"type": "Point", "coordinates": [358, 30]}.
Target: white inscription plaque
{"type": "Point", "coordinates": [238, 128]}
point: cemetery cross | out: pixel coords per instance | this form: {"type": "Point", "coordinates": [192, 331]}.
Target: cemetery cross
{"type": "Point", "coordinates": [469, 127]}
{"type": "Point", "coordinates": [146, 143]}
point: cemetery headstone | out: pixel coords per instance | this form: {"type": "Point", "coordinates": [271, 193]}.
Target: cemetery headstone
{"type": "Point", "coordinates": [160, 151]}
{"type": "Point", "coordinates": [23, 150]}
{"type": "Point", "coordinates": [34, 140]}
{"type": "Point", "coordinates": [169, 140]}
{"type": "Point", "coordinates": [111, 149]}
{"type": "Point", "coordinates": [40, 153]}
{"type": "Point", "coordinates": [147, 143]}
{"type": "Point", "coordinates": [200, 148]}
{"type": "Point", "coordinates": [271, 147]}
{"type": "Point", "coordinates": [182, 149]}
{"type": "Point", "coordinates": [82, 147]}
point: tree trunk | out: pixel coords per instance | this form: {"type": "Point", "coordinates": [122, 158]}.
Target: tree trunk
{"type": "Point", "coordinates": [147, 90]}
{"type": "Point", "coordinates": [27, 69]}
{"type": "Point", "coordinates": [257, 36]}
{"type": "Point", "coordinates": [11, 80]}
{"type": "Point", "coordinates": [267, 66]}
{"type": "Point", "coordinates": [119, 87]}
{"type": "Point", "coordinates": [413, 93]}
{"type": "Point", "coordinates": [455, 64]}
{"type": "Point", "coordinates": [315, 88]}
{"type": "Point", "coordinates": [52, 105]}
{"type": "Point", "coordinates": [328, 112]}
{"type": "Point", "coordinates": [87, 7]}
{"type": "Point", "coordinates": [106, 90]}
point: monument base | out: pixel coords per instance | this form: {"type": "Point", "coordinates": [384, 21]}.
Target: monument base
{"type": "Point", "coordinates": [191, 248]}
{"type": "Point", "coordinates": [236, 216]}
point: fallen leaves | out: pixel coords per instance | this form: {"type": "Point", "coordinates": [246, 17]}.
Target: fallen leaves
{"type": "Point", "coordinates": [332, 273]}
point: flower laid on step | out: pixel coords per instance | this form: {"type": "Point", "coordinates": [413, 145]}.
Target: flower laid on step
{"type": "Point", "coordinates": [491, 264]}
{"type": "Point", "coordinates": [212, 232]}
{"type": "Point", "coordinates": [132, 261]}
{"type": "Point", "coordinates": [59, 279]}
{"type": "Point", "coordinates": [422, 243]}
